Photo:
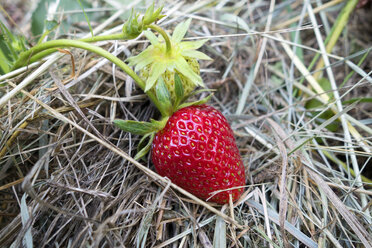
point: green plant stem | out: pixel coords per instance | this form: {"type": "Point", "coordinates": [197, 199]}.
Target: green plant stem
{"type": "Point", "coordinates": [38, 56]}
{"type": "Point", "coordinates": [118, 36]}
{"type": "Point", "coordinates": [47, 46]}
{"type": "Point", "coordinates": [161, 31]}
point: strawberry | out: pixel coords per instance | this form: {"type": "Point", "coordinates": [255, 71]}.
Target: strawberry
{"type": "Point", "coordinates": [196, 150]}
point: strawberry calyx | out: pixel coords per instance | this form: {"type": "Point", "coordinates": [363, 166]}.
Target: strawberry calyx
{"type": "Point", "coordinates": [167, 56]}
{"type": "Point", "coordinates": [134, 26]}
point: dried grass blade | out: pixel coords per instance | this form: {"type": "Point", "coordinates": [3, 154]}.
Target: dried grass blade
{"type": "Point", "coordinates": [283, 190]}
{"type": "Point", "coordinates": [143, 168]}
{"type": "Point", "coordinates": [288, 226]}
{"type": "Point", "coordinates": [26, 221]}
{"type": "Point", "coordinates": [219, 238]}
{"type": "Point", "coordinates": [358, 228]}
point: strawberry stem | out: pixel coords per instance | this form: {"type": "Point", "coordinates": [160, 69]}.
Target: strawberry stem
{"type": "Point", "coordinates": [42, 54]}
{"type": "Point", "coordinates": [161, 31]}
{"type": "Point", "coordinates": [51, 45]}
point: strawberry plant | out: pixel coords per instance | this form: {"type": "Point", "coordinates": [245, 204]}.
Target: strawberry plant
{"type": "Point", "coordinates": [192, 144]}
{"type": "Point", "coordinates": [205, 158]}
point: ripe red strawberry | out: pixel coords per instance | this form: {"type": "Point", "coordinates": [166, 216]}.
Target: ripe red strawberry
{"type": "Point", "coordinates": [197, 151]}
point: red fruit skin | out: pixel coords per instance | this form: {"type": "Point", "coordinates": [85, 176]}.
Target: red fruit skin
{"type": "Point", "coordinates": [197, 151]}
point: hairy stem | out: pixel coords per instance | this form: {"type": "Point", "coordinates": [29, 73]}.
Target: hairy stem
{"type": "Point", "coordinates": [161, 31]}
{"type": "Point", "coordinates": [47, 46]}
{"type": "Point", "coordinates": [42, 54]}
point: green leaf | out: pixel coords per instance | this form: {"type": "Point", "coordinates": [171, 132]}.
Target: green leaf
{"type": "Point", "coordinates": [144, 145]}
{"type": "Point", "coordinates": [6, 58]}
{"type": "Point", "coordinates": [163, 95]}
{"type": "Point", "coordinates": [159, 124]}
{"type": "Point", "coordinates": [136, 127]}
{"type": "Point", "coordinates": [49, 27]}
{"type": "Point", "coordinates": [141, 60]}
{"type": "Point", "coordinates": [178, 88]}
{"type": "Point", "coordinates": [40, 14]}
{"type": "Point", "coordinates": [86, 17]}
{"type": "Point", "coordinates": [180, 31]}
{"type": "Point", "coordinates": [200, 102]}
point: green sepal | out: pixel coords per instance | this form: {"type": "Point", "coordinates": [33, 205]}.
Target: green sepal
{"type": "Point", "coordinates": [200, 102]}
{"type": "Point", "coordinates": [151, 16]}
{"type": "Point", "coordinates": [159, 124]}
{"type": "Point", "coordinates": [181, 30]}
{"type": "Point", "coordinates": [178, 88]}
{"type": "Point", "coordinates": [163, 95]}
{"type": "Point", "coordinates": [137, 127]}
{"type": "Point", "coordinates": [144, 145]}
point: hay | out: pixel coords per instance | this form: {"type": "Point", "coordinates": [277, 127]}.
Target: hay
{"type": "Point", "coordinates": [68, 178]}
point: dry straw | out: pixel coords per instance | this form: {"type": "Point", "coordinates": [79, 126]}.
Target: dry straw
{"type": "Point", "coordinates": [68, 177]}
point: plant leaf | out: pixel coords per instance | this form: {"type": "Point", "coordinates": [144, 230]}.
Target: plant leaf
{"type": "Point", "coordinates": [39, 15]}
{"type": "Point", "coordinates": [136, 127]}
{"type": "Point", "coordinates": [49, 27]}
